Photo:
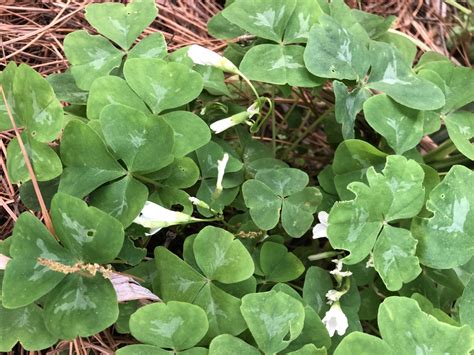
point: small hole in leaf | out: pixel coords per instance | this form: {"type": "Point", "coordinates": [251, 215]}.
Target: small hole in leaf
{"type": "Point", "coordinates": [90, 233]}
{"type": "Point", "coordinates": [33, 133]}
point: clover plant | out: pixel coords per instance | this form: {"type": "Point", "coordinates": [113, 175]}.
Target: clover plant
{"type": "Point", "coordinates": [133, 143]}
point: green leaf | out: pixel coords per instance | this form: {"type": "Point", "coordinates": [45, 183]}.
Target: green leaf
{"type": "Point", "coordinates": [24, 325]}
{"type": "Point", "coordinates": [362, 344]}
{"type": "Point", "coordinates": [264, 205]}
{"type": "Point", "coordinates": [152, 46]}
{"type": "Point", "coordinates": [348, 105]}
{"type": "Point", "coordinates": [278, 64]}
{"type": "Point", "coordinates": [162, 85]}
{"type": "Point", "coordinates": [460, 127]}
{"type": "Point", "coordinates": [445, 240]}
{"type": "Point", "coordinates": [88, 163]}
{"type": "Point", "coordinates": [137, 138]}
{"type": "Point", "coordinates": [90, 57]}
{"type": "Point", "coordinates": [278, 264]}
{"type": "Point", "coordinates": [7, 78]}
{"type": "Point", "coordinates": [406, 329]}
{"type": "Point", "coordinates": [226, 343]}
{"type": "Point", "coordinates": [458, 83]}
{"type": "Point", "coordinates": [466, 304]}
{"type": "Point", "coordinates": [122, 199]}
{"type": "Point", "coordinates": [374, 25]}
{"type": "Point", "coordinates": [227, 261]}
{"type": "Point", "coordinates": [394, 257]}
{"type": "Point", "coordinates": [122, 23]}
{"type": "Point", "coordinates": [336, 52]}
{"type": "Point", "coordinates": [392, 75]}
{"type": "Point", "coordinates": [317, 283]}
{"type": "Point", "coordinates": [213, 80]}
{"type": "Point", "coordinates": [176, 280]}
{"type": "Point", "coordinates": [352, 159]}
{"type": "Point", "coordinates": [402, 127]}
{"type": "Point", "coordinates": [184, 173]}
{"type": "Point", "coordinates": [81, 306]}
{"type": "Point", "coordinates": [309, 349]}
{"type": "Point", "coordinates": [265, 19]}
{"type": "Point", "coordinates": [65, 88]}
{"type": "Point", "coordinates": [190, 132]}
{"type": "Point", "coordinates": [274, 319]}
{"type": "Point", "coordinates": [427, 307]}
{"type": "Point", "coordinates": [132, 255]}
{"type": "Point", "coordinates": [44, 160]}
{"type": "Point", "coordinates": [90, 234]}
{"type": "Point", "coordinates": [219, 27]}
{"type": "Point", "coordinates": [283, 182]}
{"type": "Point", "coordinates": [314, 332]}
{"type": "Point", "coordinates": [222, 311]}
{"type": "Point", "coordinates": [25, 279]}
{"type": "Point", "coordinates": [298, 209]}
{"type": "Point", "coordinates": [305, 15]}
{"type": "Point", "coordinates": [175, 325]}
{"type": "Point", "coordinates": [169, 197]}
{"type": "Point", "coordinates": [205, 193]}
{"type": "Point", "coordinates": [36, 105]}
{"type": "Point", "coordinates": [398, 193]}
{"type": "Point", "coordinates": [405, 46]}
{"type": "Point", "coordinates": [139, 349]}
{"type": "Point", "coordinates": [28, 195]}
{"type": "Point", "coordinates": [208, 156]}
{"type": "Point", "coordinates": [111, 90]}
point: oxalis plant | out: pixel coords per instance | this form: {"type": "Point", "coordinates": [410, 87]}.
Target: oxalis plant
{"type": "Point", "coordinates": [168, 217]}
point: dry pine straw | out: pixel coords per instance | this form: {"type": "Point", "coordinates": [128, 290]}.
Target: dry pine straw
{"type": "Point", "coordinates": [32, 32]}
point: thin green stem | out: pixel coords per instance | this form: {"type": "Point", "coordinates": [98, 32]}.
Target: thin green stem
{"type": "Point", "coordinates": [440, 152]}
{"type": "Point", "coordinates": [249, 83]}
{"type": "Point", "coordinates": [448, 162]}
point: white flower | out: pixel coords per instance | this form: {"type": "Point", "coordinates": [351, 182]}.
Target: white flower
{"type": "Point", "coordinates": [320, 229]}
{"type": "Point", "coordinates": [338, 270]}
{"type": "Point", "coordinates": [221, 165]}
{"type": "Point", "coordinates": [204, 56]}
{"type": "Point", "coordinates": [155, 217]}
{"type": "Point", "coordinates": [335, 320]}
{"type": "Point", "coordinates": [234, 120]}
{"type": "Point", "coordinates": [334, 296]}
{"type": "Point", "coordinates": [226, 123]}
